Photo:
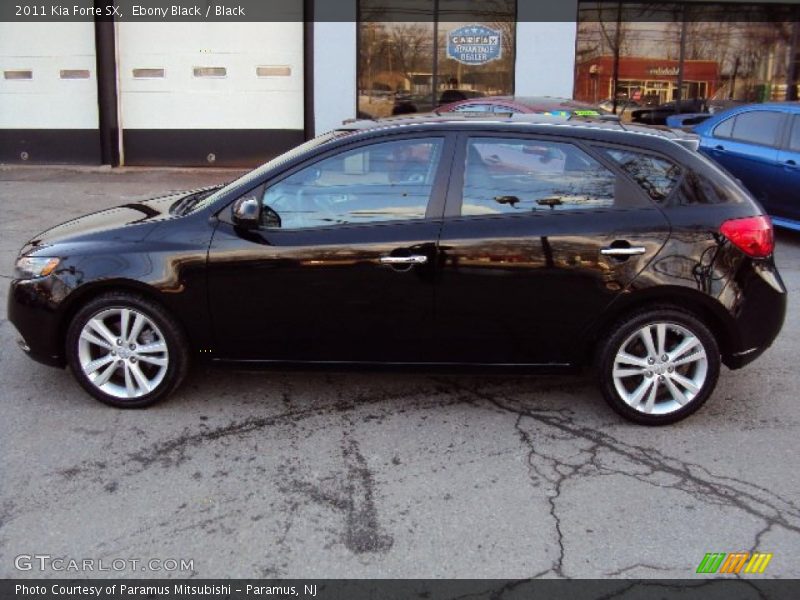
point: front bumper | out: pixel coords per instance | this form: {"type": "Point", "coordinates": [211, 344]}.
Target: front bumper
{"type": "Point", "coordinates": [34, 310]}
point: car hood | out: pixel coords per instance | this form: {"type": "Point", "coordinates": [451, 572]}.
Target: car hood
{"type": "Point", "coordinates": [127, 222]}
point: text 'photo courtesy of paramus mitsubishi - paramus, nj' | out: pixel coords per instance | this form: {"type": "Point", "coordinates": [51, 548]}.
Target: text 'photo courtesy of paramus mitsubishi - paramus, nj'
{"type": "Point", "coordinates": [428, 242]}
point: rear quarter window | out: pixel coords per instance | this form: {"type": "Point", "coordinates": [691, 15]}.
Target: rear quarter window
{"type": "Point", "coordinates": [657, 176]}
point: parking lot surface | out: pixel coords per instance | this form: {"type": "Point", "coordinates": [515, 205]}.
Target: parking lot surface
{"type": "Point", "coordinates": [327, 474]}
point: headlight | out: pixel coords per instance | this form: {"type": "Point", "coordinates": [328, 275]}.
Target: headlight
{"type": "Point", "coordinates": [29, 267]}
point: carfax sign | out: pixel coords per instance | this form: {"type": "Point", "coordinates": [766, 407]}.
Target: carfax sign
{"type": "Point", "coordinates": [474, 44]}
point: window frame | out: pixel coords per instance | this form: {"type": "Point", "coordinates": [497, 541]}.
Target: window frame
{"type": "Point", "coordinates": [780, 141]}
{"type": "Point", "coordinates": [455, 190]}
{"type": "Point", "coordinates": [436, 202]}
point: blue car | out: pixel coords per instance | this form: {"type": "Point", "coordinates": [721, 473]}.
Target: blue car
{"type": "Point", "coordinates": [760, 145]}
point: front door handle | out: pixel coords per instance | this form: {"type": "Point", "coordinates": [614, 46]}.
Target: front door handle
{"type": "Point", "coordinates": [414, 259]}
{"type": "Point", "coordinates": [630, 251]}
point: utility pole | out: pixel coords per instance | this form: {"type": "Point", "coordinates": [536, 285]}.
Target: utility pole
{"type": "Point", "coordinates": [681, 58]}
{"type": "Point", "coordinates": [615, 73]}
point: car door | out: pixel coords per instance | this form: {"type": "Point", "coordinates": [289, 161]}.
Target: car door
{"type": "Point", "coordinates": [540, 236]}
{"type": "Point", "coordinates": [784, 198]}
{"type": "Point", "coordinates": [342, 268]}
{"type": "Point", "coordinates": [747, 146]}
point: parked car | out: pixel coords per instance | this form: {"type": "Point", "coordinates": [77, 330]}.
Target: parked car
{"type": "Point", "coordinates": [406, 103]}
{"type": "Point", "coordinates": [622, 104]}
{"type": "Point", "coordinates": [657, 115]}
{"type": "Point", "coordinates": [686, 121]}
{"type": "Point", "coordinates": [760, 145]}
{"type": "Point", "coordinates": [430, 242]}
{"type": "Point", "coordinates": [527, 105]}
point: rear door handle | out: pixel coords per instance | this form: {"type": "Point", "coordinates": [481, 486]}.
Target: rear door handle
{"type": "Point", "coordinates": [414, 259]}
{"type": "Point", "coordinates": [719, 148]}
{"type": "Point", "coordinates": [631, 251]}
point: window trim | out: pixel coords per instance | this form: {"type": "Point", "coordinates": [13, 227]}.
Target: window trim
{"type": "Point", "coordinates": [436, 203]}
{"type": "Point", "coordinates": [455, 198]}
{"type": "Point", "coordinates": [780, 140]}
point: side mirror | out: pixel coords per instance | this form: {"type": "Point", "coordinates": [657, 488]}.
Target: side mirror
{"type": "Point", "coordinates": [246, 212]}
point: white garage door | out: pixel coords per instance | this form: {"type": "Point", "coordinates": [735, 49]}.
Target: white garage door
{"type": "Point", "coordinates": [209, 93]}
{"type": "Point", "coordinates": [48, 93]}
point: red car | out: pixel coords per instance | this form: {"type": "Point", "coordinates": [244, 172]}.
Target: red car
{"type": "Point", "coordinates": [539, 105]}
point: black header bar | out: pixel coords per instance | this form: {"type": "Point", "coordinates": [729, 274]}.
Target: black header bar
{"type": "Point", "coordinates": [390, 11]}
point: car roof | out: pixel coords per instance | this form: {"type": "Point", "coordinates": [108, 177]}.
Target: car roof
{"type": "Point", "coordinates": [539, 102]}
{"type": "Point", "coordinates": [589, 127]}
{"type": "Point", "coordinates": [704, 127]}
{"type": "Point", "coordinates": [783, 106]}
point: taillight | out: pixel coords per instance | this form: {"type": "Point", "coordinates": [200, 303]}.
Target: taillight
{"type": "Point", "coordinates": [752, 235]}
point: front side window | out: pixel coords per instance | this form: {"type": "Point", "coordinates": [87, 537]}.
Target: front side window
{"type": "Point", "coordinates": [519, 176]}
{"type": "Point", "coordinates": [386, 181]}
{"type": "Point", "coordinates": [724, 129]}
{"type": "Point", "coordinates": [656, 176]}
{"type": "Point", "coordinates": [757, 127]}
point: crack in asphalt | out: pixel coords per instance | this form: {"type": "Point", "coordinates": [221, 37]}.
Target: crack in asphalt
{"type": "Point", "coordinates": [690, 478]}
{"type": "Point", "coordinates": [351, 490]}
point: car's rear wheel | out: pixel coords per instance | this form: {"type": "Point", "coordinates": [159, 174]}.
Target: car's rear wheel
{"type": "Point", "coordinates": [659, 366]}
{"type": "Point", "coordinates": [126, 350]}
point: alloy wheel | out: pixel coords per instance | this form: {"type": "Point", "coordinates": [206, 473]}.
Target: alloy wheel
{"type": "Point", "coordinates": [660, 368]}
{"type": "Point", "coordinates": [123, 353]}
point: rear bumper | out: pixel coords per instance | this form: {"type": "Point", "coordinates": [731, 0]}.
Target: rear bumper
{"type": "Point", "coordinates": [756, 300]}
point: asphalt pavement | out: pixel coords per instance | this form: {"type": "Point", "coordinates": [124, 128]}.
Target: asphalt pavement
{"type": "Point", "coordinates": [322, 474]}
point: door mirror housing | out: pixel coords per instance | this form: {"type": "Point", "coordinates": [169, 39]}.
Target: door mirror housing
{"type": "Point", "coordinates": [246, 212]}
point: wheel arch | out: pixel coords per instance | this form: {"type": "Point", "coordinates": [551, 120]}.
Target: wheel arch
{"type": "Point", "coordinates": [710, 311]}
{"type": "Point", "coordinates": [85, 293]}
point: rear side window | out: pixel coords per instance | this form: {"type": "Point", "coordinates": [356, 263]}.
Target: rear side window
{"type": "Point", "coordinates": [509, 175]}
{"type": "Point", "coordinates": [657, 176]}
{"type": "Point", "coordinates": [794, 139]}
{"type": "Point", "coordinates": [754, 127]}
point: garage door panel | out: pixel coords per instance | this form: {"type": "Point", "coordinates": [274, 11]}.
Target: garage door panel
{"type": "Point", "coordinates": [212, 77]}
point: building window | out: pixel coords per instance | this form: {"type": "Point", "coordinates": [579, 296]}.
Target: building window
{"type": "Point", "coordinates": [712, 54]}
{"type": "Point", "coordinates": [407, 66]}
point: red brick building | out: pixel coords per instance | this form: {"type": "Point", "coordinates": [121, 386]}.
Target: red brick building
{"type": "Point", "coordinates": [639, 78]}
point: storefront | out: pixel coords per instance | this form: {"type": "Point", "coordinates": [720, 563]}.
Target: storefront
{"type": "Point", "coordinates": [238, 93]}
{"type": "Point", "coordinates": [645, 80]}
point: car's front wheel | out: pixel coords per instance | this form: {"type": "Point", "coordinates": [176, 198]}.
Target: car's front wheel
{"type": "Point", "coordinates": [126, 350]}
{"type": "Point", "coordinates": [659, 366]}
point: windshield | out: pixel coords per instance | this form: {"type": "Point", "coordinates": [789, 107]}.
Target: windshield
{"type": "Point", "coordinates": [248, 178]}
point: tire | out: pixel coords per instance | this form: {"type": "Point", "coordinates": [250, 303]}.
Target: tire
{"type": "Point", "coordinates": [683, 382]}
{"type": "Point", "coordinates": [126, 371]}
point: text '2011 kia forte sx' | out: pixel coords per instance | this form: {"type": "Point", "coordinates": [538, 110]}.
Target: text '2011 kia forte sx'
{"type": "Point", "coordinates": [427, 242]}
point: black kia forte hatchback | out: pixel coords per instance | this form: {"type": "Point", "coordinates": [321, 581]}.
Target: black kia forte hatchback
{"type": "Point", "coordinates": [424, 242]}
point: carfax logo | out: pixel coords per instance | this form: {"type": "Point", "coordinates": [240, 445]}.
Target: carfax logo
{"type": "Point", "coordinates": [474, 44]}
{"type": "Point", "coordinates": [720, 562]}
